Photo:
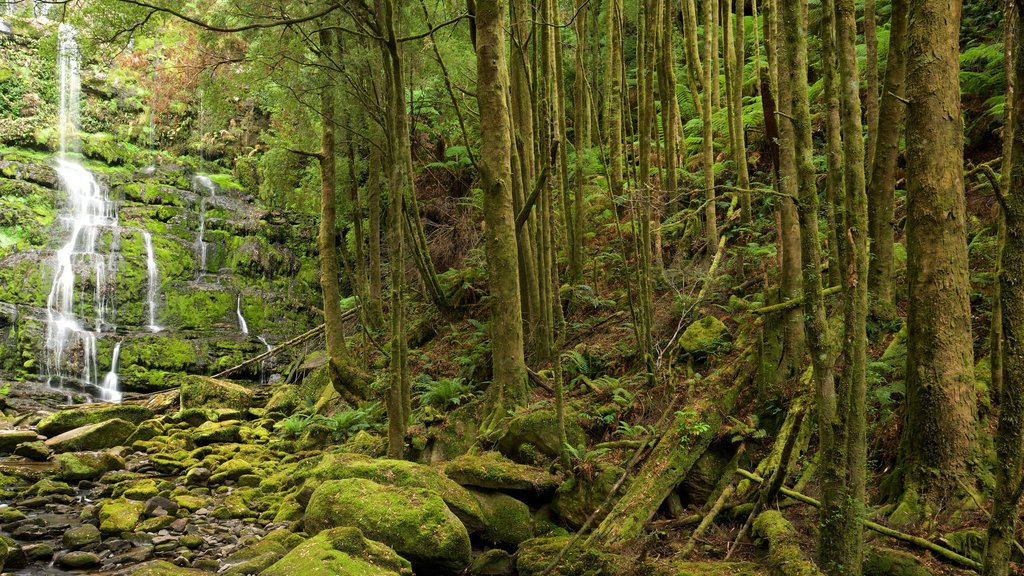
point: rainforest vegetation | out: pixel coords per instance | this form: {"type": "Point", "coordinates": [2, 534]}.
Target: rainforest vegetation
{"type": "Point", "coordinates": [512, 287]}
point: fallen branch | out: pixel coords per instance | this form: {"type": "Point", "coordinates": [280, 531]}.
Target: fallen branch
{"type": "Point", "coordinates": [308, 335]}
{"type": "Point", "coordinates": [885, 530]}
{"type": "Point", "coordinates": [790, 304]}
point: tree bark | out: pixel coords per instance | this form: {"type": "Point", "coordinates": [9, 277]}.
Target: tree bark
{"type": "Point", "coordinates": [707, 108]}
{"type": "Point", "coordinates": [939, 433]}
{"type": "Point", "coordinates": [882, 184]}
{"type": "Point", "coordinates": [510, 387]}
{"type": "Point", "coordinates": [344, 376]}
{"type": "Point", "coordinates": [1009, 440]}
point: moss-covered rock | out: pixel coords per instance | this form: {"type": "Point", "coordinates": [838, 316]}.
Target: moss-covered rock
{"type": "Point", "coordinates": [492, 562]}
{"type": "Point", "coordinates": [120, 516]}
{"type": "Point", "coordinates": [703, 335]}
{"type": "Point", "coordinates": [396, 473]}
{"type": "Point", "coordinates": [969, 542]}
{"type": "Point", "coordinates": [35, 450]}
{"type": "Point", "coordinates": [415, 522]}
{"type": "Point", "coordinates": [146, 430]}
{"type": "Point", "coordinates": [205, 392]}
{"type": "Point", "coordinates": [76, 466]}
{"type": "Point", "coordinates": [886, 562]}
{"type": "Point", "coordinates": [340, 552]}
{"type": "Point", "coordinates": [80, 537]}
{"type": "Point", "coordinates": [494, 471]}
{"type": "Point", "coordinates": [10, 439]}
{"type": "Point", "coordinates": [217, 433]}
{"type": "Point", "coordinates": [161, 568]}
{"type": "Point", "coordinates": [535, 555]}
{"type": "Point", "coordinates": [784, 555]}
{"type": "Point", "coordinates": [82, 415]}
{"type": "Point", "coordinates": [256, 558]}
{"type": "Point", "coordinates": [231, 470]}
{"type": "Point", "coordinates": [99, 436]}
{"type": "Point", "coordinates": [507, 520]}
{"type": "Point", "coordinates": [577, 498]}
{"type": "Point", "coordinates": [536, 430]}
{"type": "Point", "coordinates": [717, 569]}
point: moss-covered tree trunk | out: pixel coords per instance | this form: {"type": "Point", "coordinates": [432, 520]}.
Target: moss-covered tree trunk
{"type": "Point", "coordinates": [509, 387]}
{"type": "Point", "coordinates": [344, 375]}
{"type": "Point", "coordinates": [739, 53]}
{"type": "Point", "coordinates": [939, 432]}
{"type": "Point", "coordinates": [374, 310]}
{"type": "Point", "coordinates": [400, 185]}
{"type": "Point", "coordinates": [871, 77]}
{"type": "Point", "coordinates": [790, 275]}
{"type": "Point", "coordinates": [842, 532]}
{"type": "Point", "coordinates": [1009, 441]}
{"type": "Point", "coordinates": [882, 182]}
{"type": "Point", "coordinates": [834, 181]}
{"type": "Point", "coordinates": [581, 119]}
{"type": "Point", "coordinates": [613, 96]}
{"type": "Point", "coordinates": [708, 106]}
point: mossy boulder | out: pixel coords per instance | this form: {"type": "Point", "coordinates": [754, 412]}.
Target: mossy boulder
{"type": "Point", "coordinates": [535, 555]}
{"type": "Point", "coordinates": [205, 392]}
{"type": "Point", "coordinates": [76, 466]}
{"type": "Point", "coordinates": [493, 562]}
{"type": "Point", "coordinates": [146, 430]}
{"type": "Point", "coordinates": [494, 471]}
{"type": "Point", "coordinates": [80, 537]}
{"type": "Point", "coordinates": [338, 466]}
{"type": "Point", "coordinates": [161, 568]}
{"type": "Point", "coordinates": [969, 542]}
{"type": "Point", "coordinates": [217, 433]}
{"type": "Point", "coordinates": [886, 562]}
{"type": "Point", "coordinates": [342, 551]}
{"type": "Point", "coordinates": [507, 521]}
{"type": "Point", "coordinates": [231, 470]}
{"type": "Point", "coordinates": [784, 553]}
{"type": "Point", "coordinates": [256, 558]}
{"type": "Point", "coordinates": [703, 335]}
{"type": "Point", "coordinates": [99, 436]}
{"type": "Point", "coordinates": [415, 522]}
{"type": "Point", "coordinates": [717, 569]}
{"type": "Point", "coordinates": [10, 439]}
{"type": "Point", "coordinates": [35, 450]}
{"type": "Point", "coordinates": [120, 516]}
{"type": "Point", "coordinates": [529, 432]}
{"type": "Point", "coordinates": [577, 498]}
{"type": "Point", "coordinates": [82, 415]}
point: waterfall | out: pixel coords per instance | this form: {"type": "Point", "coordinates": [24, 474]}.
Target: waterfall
{"type": "Point", "coordinates": [199, 184]}
{"type": "Point", "coordinates": [263, 363]}
{"type": "Point", "coordinates": [242, 325]}
{"type": "Point", "coordinates": [109, 391]}
{"type": "Point", "coordinates": [151, 292]}
{"type": "Point", "coordinates": [89, 212]}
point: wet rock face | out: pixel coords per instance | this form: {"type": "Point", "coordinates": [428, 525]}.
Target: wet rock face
{"type": "Point", "coordinates": [249, 268]}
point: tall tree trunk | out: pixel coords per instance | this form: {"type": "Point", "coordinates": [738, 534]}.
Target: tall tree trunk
{"type": "Point", "coordinates": [796, 155]}
{"type": "Point", "coordinates": [882, 185]}
{"type": "Point", "coordinates": [613, 97]}
{"type": "Point", "coordinates": [694, 68]}
{"type": "Point", "coordinates": [871, 74]}
{"type": "Point", "coordinates": [399, 403]}
{"type": "Point", "coordinates": [669, 107]}
{"type": "Point", "coordinates": [647, 20]}
{"type": "Point", "coordinates": [939, 432]}
{"type": "Point", "coordinates": [740, 152]}
{"type": "Point", "coordinates": [790, 275]}
{"type": "Point", "coordinates": [581, 118]}
{"type": "Point", "coordinates": [509, 388]}
{"type": "Point", "coordinates": [707, 108]}
{"type": "Point", "coordinates": [345, 377]}
{"type": "Point", "coordinates": [1009, 440]}
{"type": "Point", "coordinates": [375, 313]}
{"type": "Point", "coordinates": [835, 182]}
{"type": "Point", "coordinates": [844, 539]}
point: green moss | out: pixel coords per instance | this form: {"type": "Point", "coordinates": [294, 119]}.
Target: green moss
{"type": "Point", "coordinates": [703, 335]}
{"type": "Point", "coordinates": [163, 568]}
{"type": "Point", "coordinates": [492, 470]}
{"type": "Point", "coordinates": [69, 419]}
{"type": "Point", "coordinates": [198, 309]}
{"type": "Point", "coordinates": [205, 392]}
{"type": "Point", "coordinates": [231, 470]}
{"type": "Point", "coordinates": [99, 436]}
{"type": "Point", "coordinates": [119, 516]}
{"type": "Point", "coordinates": [716, 569]}
{"type": "Point", "coordinates": [507, 520]}
{"type": "Point", "coordinates": [340, 552]}
{"type": "Point", "coordinates": [75, 466]}
{"type": "Point", "coordinates": [535, 555]}
{"type": "Point", "coordinates": [413, 521]}
{"type": "Point", "coordinates": [395, 473]}
{"type": "Point", "coordinates": [784, 554]}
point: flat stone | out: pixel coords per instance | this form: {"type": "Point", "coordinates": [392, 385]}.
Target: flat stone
{"type": "Point", "coordinates": [9, 439]}
{"type": "Point", "coordinates": [79, 560]}
{"type": "Point", "coordinates": [97, 436]}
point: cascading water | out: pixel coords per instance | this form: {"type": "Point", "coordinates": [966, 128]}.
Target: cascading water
{"type": "Point", "coordinates": [109, 391]}
{"type": "Point", "coordinates": [70, 343]}
{"type": "Point", "coordinates": [151, 292]}
{"type": "Point", "coordinates": [242, 324]}
{"type": "Point", "coordinates": [201, 184]}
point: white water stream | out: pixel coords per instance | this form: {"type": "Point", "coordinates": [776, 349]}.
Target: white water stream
{"type": "Point", "coordinates": [201, 184]}
{"type": "Point", "coordinates": [70, 337]}
{"type": "Point", "coordinates": [109, 391]}
{"type": "Point", "coordinates": [151, 292]}
{"type": "Point", "coordinates": [243, 326]}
